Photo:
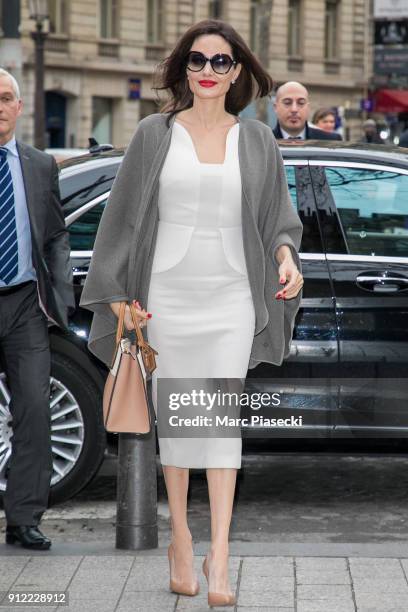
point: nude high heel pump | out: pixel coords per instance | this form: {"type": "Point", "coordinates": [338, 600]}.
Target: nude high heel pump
{"type": "Point", "coordinates": [217, 599]}
{"type": "Point", "coordinates": [179, 587]}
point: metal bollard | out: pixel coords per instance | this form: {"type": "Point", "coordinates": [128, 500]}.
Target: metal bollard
{"type": "Point", "coordinates": [136, 519]}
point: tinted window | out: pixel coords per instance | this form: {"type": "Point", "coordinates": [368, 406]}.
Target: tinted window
{"type": "Point", "coordinates": [82, 187]}
{"type": "Point", "coordinates": [372, 205]}
{"type": "Point", "coordinates": [290, 176]}
{"type": "Point", "coordinates": [302, 196]}
{"type": "Point", "coordinates": [82, 232]}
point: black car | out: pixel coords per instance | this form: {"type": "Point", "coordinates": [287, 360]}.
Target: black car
{"type": "Point", "coordinates": [347, 370]}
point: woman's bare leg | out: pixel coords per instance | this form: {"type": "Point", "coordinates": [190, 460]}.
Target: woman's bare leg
{"type": "Point", "coordinates": [221, 489]}
{"type": "Point", "coordinates": [177, 480]}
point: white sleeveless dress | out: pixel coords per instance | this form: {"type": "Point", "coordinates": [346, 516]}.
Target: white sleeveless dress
{"type": "Point", "coordinates": [203, 315]}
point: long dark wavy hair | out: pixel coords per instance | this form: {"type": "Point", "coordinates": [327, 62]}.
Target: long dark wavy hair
{"type": "Point", "coordinates": [253, 81]}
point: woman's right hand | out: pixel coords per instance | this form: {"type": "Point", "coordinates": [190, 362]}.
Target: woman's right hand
{"type": "Point", "coordinates": [141, 315]}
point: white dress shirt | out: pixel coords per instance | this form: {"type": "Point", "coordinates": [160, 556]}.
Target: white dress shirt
{"type": "Point", "coordinates": [26, 269]}
{"type": "Point", "coordinates": [301, 135]}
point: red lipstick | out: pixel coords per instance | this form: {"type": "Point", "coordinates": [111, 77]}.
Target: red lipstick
{"type": "Point", "coordinates": [207, 83]}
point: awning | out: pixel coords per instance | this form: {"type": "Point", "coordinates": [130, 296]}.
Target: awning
{"type": "Point", "coordinates": [391, 100]}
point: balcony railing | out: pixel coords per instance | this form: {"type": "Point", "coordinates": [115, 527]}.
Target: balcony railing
{"type": "Point", "coordinates": [57, 43]}
{"type": "Point", "coordinates": [108, 48]}
{"type": "Point", "coordinates": [154, 52]}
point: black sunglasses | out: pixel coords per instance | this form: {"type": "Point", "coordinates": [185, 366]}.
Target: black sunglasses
{"type": "Point", "coordinates": [221, 63]}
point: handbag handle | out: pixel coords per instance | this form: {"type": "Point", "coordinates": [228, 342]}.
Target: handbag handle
{"type": "Point", "coordinates": [121, 324]}
{"type": "Point", "coordinates": [140, 340]}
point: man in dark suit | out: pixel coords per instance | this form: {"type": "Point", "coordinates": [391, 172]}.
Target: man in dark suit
{"type": "Point", "coordinates": [35, 286]}
{"type": "Point", "coordinates": [292, 109]}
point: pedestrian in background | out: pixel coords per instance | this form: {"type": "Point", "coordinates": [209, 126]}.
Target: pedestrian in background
{"type": "Point", "coordinates": [324, 119]}
{"type": "Point", "coordinates": [292, 109]}
{"type": "Point", "coordinates": [35, 281]}
{"type": "Point", "coordinates": [371, 134]}
{"type": "Point", "coordinates": [222, 282]}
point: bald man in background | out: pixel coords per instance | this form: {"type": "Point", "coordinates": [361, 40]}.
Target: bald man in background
{"type": "Point", "coordinates": [292, 109]}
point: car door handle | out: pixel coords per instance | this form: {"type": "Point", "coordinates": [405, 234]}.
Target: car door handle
{"type": "Point", "coordinates": [80, 271]}
{"type": "Point", "coordinates": [382, 284]}
{"type": "Point", "coordinates": [378, 279]}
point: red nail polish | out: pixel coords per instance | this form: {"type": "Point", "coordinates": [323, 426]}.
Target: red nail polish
{"type": "Point", "coordinates": [149, 316]}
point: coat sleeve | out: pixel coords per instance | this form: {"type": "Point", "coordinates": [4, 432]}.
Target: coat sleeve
{"type": "Point", "coordinates": [56, 244]}
{"type": "Point", "coordinates": [283, 227]}
{"type": "Point", "coordinates": [287, 226]}
{"type": "Point", "coordinates": [107, 279]}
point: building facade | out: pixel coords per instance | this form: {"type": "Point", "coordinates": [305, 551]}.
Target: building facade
{"type": "Point", "coordinates": [101, 54]}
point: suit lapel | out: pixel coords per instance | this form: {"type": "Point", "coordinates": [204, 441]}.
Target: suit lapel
{"type": "Point", "coordinates": [277, 131]}
{"type": "Point", "coordinates": [32, 182]}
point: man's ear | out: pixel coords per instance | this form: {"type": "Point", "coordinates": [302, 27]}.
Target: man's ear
{"type": "Point", "coordinates": [20, 108]}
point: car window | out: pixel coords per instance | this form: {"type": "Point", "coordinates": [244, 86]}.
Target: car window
{"type": "Point", "coordinates": [291, 179]}
{"type": "Point", "coordinates": [84, 186]}
{"type": "Point", "coordinates": [372, 205]}
{"type": "Point", "coordinates": [302, 196]}
{"type": "Point", "coordinates": [82, 231]}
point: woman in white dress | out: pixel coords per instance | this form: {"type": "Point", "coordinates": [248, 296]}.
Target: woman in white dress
{"type": "Point", "coordinates": [200, 297]}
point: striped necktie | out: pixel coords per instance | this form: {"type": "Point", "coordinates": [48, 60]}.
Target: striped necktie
{"type": "Point", "coordinates": [8, 229]}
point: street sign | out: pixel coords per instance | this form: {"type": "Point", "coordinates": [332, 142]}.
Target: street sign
{"type": "Point", "coordinates": [389, 81]}
{"type": "Point", "coordinates": [134, 89]}
{"type": "Point", "coordinates": [366, 104]}
{"type": "Point", "coordinates": [390, 60]}
{"type": "Point", "coordinates": [391, 32]}
{"type": "Point", "coordinates": [390, 9]}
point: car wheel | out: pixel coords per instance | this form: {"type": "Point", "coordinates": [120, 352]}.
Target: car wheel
{"type": "Point", "coordinates": [77, 433]}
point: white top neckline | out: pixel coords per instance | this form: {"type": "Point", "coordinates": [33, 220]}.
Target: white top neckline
{"type": "Point", "coordinates": [195, 151]}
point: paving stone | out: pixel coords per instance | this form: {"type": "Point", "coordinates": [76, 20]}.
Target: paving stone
{"type": "Point", "coordinates": [404, 563]}
{"type": "Point", "coordinates": [376, 568]}
{"type": "Point", "coordinates": [140, 581]}
{"type": "Point", "coordinates": [31, 608]}
{"type": "Point", "coordinates": [322, 577]}
{"type": "Point", "coordinates": [321, 563]}
{"type": "Point", "coordinates": [195, 606]}
{"type": "Point", "coordinates": [266, 567]}
{"type": "Point", "coordinates": [370, 585]}
{"type": "Point", "coordinates": [325, 606]}
{"type": "Point", "coordinates": [323, 591]}
{"type": "Point", "coordinates": [374, 561]}
{"type": "Point", "coordinates": [382, 608]}
{"type": "Point", "coordinates": [385, 600]}
{"type": "Point", "coordinates": [90, 605]}
{"type": "Point", "coordinates": [106, 562]}
{"type": "Point", "coordinates": [269, 609]}
{"type": "Point", "coordinates": [278, 561]}
{"type": "Point", "coordinates": [274, 583]}
{"type": "Point", "coordinates": [95, 591]}
{"type": "Point", "coordinates": [142, 602]}
{"type": "Point", "coordinates": [266, 599]}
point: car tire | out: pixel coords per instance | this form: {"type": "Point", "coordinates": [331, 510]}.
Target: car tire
{"type": "Point", "coordinates": [89, 399]}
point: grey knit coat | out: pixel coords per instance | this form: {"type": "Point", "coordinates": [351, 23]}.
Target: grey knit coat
{"type": "Point", "coordinates": [123, 253]}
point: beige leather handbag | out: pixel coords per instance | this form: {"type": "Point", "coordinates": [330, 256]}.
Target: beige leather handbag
{"type": "Point", "coordinates": [125, 403]}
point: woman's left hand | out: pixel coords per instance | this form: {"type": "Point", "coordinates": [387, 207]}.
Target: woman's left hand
{"type": "Point", "coordinates": [288, 273]}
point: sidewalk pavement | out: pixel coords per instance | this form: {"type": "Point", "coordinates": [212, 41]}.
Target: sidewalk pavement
{"type": "Point", "coordinates": [297, 578]}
